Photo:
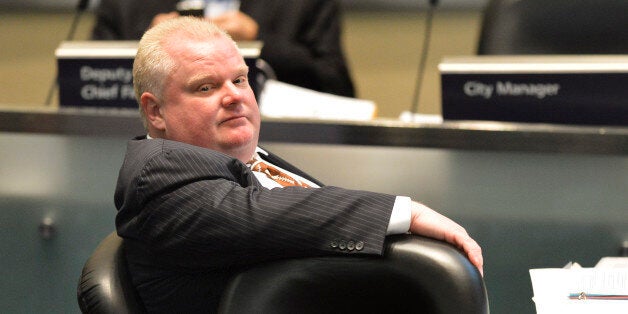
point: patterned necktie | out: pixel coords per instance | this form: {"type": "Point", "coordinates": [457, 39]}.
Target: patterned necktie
{"type": "Point", "coordinates": [275, 174]}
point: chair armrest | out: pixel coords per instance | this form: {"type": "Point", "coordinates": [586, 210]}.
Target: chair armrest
{"type": "Point", "coordinates": [415, 274]}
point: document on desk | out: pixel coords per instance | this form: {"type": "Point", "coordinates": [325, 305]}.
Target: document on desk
{"type": "Point", "coordinates": [281, 100]}
{"type": "Point", "coordinates": [581, 290]}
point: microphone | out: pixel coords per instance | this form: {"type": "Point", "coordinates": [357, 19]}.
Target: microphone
{"type": "Point", "coordinates": [80, 8]}
{"type": "Point", "coordinates": [423, 57]}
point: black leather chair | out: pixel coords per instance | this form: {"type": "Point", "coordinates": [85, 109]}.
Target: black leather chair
{"type": "Point", "coordinates": [554, 27]}
{"type": "Point", "coordinates": [105, 283]}
{"type": "Point", "coordinates": [416, 275]}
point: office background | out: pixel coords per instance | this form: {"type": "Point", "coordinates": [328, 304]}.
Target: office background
{"type": "Point", "coordinates": [382, 40]}
{"type": "Point", "coordinates": [527, 209]}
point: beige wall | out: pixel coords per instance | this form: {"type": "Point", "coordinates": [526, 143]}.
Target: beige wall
{"type": "Point", "coordinates": [27, 62]}
{"type": "Point", "coordinates": [382, 47]}
{"type": "Point", "coordinates": [384, 51]}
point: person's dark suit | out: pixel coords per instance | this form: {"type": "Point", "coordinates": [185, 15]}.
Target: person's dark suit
{"type": "Point", "coordinates": [191, 216]}
{"type": "Point", "coordinates": [302, 38]}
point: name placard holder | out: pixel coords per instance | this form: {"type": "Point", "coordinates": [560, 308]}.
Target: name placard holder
{"type": "Point", "coordinates": [588, 90]}
{"type": "Point", "coordinates": [96, 74]}
{"type": "Point", "coordinates": [99, 74]}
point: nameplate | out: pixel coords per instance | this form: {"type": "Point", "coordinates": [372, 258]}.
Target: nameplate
{"type": "Point", "coordinates": [99, 74]}
{"type": "Point", "coordinates": [587, 90]}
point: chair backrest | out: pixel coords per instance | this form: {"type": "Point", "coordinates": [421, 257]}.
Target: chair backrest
{"type": "Point", "coordinates": [554, 27]}
{"type": "Point", "coordinates": [105, 284]}
{"type": "Point", "coordinates": [416, 275]}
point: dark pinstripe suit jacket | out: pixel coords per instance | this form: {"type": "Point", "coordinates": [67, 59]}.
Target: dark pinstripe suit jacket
{"type": "Point", "coordinates": [192, 216]}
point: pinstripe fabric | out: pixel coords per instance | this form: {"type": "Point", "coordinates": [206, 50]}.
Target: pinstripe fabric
{"type": "Point", "coordinates": [188, 209]}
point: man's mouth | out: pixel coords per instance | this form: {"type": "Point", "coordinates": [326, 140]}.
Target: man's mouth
{"type": "Point", "coordinates": [233, 118]}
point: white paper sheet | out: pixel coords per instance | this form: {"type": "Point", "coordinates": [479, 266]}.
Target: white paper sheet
{"type": "Point", "coordinates": [281, 100]}
{"type": "Point", "coordinates": [553, 287]}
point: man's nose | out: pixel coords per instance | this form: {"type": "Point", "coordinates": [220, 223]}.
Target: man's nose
{"type": "Point", "coordinates": [232, 94]}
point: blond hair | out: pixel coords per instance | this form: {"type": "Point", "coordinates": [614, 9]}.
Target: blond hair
{"type": "Point", "coordinates": [153, 64]}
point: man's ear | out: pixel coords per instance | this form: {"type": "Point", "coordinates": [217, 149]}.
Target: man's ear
{"type": "Point", "coordinates": [154, 112]}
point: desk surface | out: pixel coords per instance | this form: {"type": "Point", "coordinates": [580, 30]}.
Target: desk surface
{"type": "Point", "coordinates": [466, 135]}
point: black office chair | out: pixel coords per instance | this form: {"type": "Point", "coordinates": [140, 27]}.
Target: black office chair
{"type": "Point", "coordinates": [105, 283]}
{"type": "Point", "coordinates": [416, 275]}
{"type": "Point", "coordinates": [554, 27]}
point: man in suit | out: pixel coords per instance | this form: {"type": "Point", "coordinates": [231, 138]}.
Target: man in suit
{"type": "Point", "coordinates": [302, 38]}
{"type": "Point", "coordinates": [191, 208]}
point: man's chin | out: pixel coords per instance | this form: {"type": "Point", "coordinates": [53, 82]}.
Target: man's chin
{"type": "Point", "coordinates": [237, 140]}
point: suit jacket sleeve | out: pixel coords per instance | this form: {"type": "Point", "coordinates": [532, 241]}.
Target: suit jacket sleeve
{"type": "Point", "coordinates": [200, 208]}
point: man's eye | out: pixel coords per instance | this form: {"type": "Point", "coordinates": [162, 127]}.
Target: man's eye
{"type": "Point", "coordinates": [205, 88]}
{"type": "Point", "coordinates": [240, 80]}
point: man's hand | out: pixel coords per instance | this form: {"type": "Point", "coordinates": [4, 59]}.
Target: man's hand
{"type": "Point", "coordinates": [237, 24]}
{"type": "Point", "coordinates": [426, 222]}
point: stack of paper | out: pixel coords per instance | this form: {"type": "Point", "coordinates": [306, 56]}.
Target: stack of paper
{"type": "Point", "coordinates": [573, 289]}
{"type": "Point", "coordinates": [281, 100]}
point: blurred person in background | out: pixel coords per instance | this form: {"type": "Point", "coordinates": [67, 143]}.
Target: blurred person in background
{"type": "Point", "coordinates": [301, 38]}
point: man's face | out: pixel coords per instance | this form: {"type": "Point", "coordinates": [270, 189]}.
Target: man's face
{"type": "Point", "coordinates": [207, 100]}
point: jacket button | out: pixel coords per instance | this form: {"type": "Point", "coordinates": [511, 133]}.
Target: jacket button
{"type": "Point", "coordinates": [359, 245]}
{"type": "Point", "coordinates": [342, 245]}
{"type": "Point", "coordinates": [350, 245]}
{"type": "Point", "coordinates": [334, 244]}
